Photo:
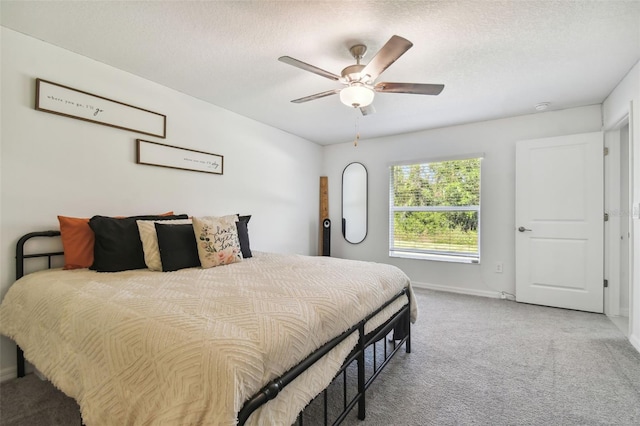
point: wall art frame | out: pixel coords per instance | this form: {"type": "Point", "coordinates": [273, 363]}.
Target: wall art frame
{"type": "Point", "coordinates": [62, 100]}
{"type": "Point", "coordinates": [174, 157]}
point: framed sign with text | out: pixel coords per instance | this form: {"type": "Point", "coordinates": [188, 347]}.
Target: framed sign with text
{"type": "Point", "coordinates": [62, 100]}
{"type": "Point", "coordinates": [158, 154]}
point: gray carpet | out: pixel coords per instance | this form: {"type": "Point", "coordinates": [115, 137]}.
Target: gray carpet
{"type": "Point", "coordinates": [475, 361]}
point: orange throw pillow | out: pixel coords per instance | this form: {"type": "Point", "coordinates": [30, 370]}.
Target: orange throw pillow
{"type": "Point", "coordinates": [78, 240]}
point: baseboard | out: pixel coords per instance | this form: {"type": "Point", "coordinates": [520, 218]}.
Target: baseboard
{"type": "Point", "coordinates": [460, 290]}
{"type": "Point", "coordinates": [635, 342]}
{"type": "Point", "coordinates": [8, 373]}
{"type": "Point", "coordinates": [624, 312]}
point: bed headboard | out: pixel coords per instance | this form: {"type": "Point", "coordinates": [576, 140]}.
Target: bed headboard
{"type": "Point", "coordinates": [20, 256]}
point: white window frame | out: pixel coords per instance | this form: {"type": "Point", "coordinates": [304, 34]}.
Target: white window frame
{"type": "Point", "coordinates": [437, 255]}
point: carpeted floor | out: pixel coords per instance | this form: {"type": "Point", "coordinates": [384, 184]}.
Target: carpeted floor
{"type": "Point", "coordinates": [475, 361]}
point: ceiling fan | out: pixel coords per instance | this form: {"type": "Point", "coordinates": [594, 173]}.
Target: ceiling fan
{"type": "Point", "coordinates": [360, 79]}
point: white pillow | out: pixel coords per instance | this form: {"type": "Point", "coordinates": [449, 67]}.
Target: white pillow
{"type": "Point", "coordinates": [147, 229]}
{"type": "Point", "coordinates": [217, 239]}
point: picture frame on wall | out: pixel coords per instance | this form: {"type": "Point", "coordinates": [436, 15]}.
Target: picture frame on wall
{"type": "Point", "coordinates": [174, 157]}
{"type": "Point", "coordinates": [62, 100]}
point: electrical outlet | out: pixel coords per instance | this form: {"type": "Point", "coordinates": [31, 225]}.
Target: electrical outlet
{"type": "Point", "coordinates": [498, 267]}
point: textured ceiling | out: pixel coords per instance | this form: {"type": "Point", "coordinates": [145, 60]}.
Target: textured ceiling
{"type": "Point", "coordinates": [495, 58]}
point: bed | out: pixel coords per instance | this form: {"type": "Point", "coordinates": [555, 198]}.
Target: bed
{"type": "Point", "coordinates": [251, 342]}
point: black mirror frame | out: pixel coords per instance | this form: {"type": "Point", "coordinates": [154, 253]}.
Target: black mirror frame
{"type": "Point", "coordinates": [366, 225]}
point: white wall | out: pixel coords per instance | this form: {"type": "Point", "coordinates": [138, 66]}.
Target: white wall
{"type": "Point", "coordinates": [496, 139]}
{"type": "Point", "coordinates": [55, 165]}
{"type": "Point", "coordinates": [623, 101]}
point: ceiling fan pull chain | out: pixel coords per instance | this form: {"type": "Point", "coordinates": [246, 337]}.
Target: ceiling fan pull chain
{"type": "Point", "coordinates": [355, 141]}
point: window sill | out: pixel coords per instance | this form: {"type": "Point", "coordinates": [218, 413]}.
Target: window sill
{"type": "Point", "coordinates": [436, 257]}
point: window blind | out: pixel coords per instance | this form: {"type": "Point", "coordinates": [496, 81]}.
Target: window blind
{"type": "Point", "coordinates": [434, 209]}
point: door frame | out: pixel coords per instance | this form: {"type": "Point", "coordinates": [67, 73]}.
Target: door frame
{"type": "Point", "coordinates": [612, 255]}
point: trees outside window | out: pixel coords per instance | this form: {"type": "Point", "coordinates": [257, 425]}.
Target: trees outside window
{"type": "Point", "coordinates": [434, 210]}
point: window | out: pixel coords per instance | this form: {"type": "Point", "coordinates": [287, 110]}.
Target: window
{"type": "Point", "coordinates": [434, 210]}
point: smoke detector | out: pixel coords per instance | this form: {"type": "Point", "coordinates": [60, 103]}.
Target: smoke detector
{"type": "Point", "coordinates": [542, 106]}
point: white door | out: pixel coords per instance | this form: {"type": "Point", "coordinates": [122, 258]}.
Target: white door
{"type": "Point", "coordinates": [560, 222]}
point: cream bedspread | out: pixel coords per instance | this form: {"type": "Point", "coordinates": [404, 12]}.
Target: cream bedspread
{"type": "Point", "coordinates": [190, 347]}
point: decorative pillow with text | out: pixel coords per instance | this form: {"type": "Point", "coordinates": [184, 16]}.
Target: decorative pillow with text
{"type": "Point", "coordinates": [217, 239]}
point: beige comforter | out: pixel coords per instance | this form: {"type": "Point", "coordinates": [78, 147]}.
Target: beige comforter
{"type": "Point", "coordinates": [190, 347]}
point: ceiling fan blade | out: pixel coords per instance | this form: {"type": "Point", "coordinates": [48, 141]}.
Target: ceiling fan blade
{"type": "Point", "coordinates": [368, 110]}
{"type": "Point", "coordinates": [413, 88]}
{"type": "Point", "coordinates": [308, 67]}
{"type": "Point", "coordinates": [390, 52]}
{"type": "Point", "coordinates": [316, 96]}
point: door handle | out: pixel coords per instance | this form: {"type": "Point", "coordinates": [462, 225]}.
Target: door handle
{"type": "Point", "coordinates": [523, 229]}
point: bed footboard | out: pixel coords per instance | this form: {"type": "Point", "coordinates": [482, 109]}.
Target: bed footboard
{"type": "Point", "coordinates": [399, 324]}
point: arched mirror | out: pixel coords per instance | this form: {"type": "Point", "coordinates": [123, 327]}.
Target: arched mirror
{"type": "Point", "coordinates": [354, 203]}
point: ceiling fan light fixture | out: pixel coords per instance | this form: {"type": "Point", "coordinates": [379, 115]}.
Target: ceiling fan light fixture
{"type": "Point", "coordinates": [356, 96]}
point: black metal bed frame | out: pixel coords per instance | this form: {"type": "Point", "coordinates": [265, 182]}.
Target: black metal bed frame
{"type": "Point", "coordinates": [399, 323]}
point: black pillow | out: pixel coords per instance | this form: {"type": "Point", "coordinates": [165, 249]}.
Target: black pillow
{"type": "Point", "coordinates": [118, 246]}
{"type": "Point", "coordinates": [243, 235]}
{"type": "Point", "coordinates": [178, 246]}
